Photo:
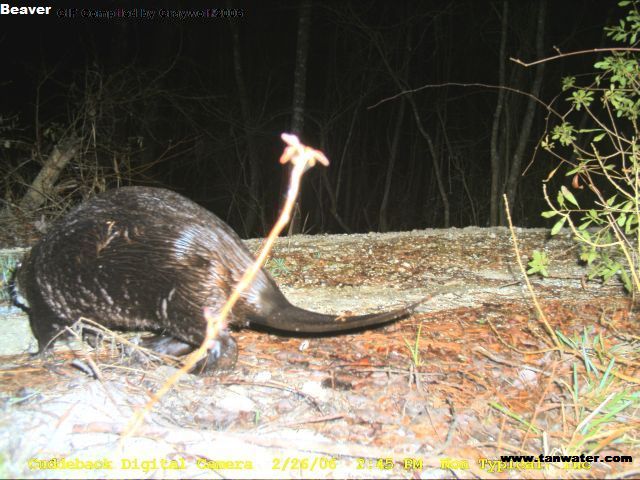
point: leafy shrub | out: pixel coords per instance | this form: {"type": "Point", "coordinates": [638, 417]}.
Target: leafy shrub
{"type": "Point", "coordinates": [602, 203]}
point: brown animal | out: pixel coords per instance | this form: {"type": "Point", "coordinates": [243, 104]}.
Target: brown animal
{"type": "Point", "coordinates": [141, 258]}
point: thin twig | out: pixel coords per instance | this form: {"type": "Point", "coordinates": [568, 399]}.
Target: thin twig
{"type": "Point", "coordinates": [302, 158]}
{"type": "Point", "coordinates": [571, 54]}
{"type": "Point", "coordinates": [461, 84]}
{"type": "Point", "coordinates": [543, 317]}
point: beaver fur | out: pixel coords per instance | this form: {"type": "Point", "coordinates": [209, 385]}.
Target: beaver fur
{"type": "Point", "coordinates": [141, 258]}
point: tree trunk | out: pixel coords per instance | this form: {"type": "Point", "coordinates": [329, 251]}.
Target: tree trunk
{"type": "Point", "coordinates": [436, 166]}
{"type": "Point", "coordinates": [496, 193]}
{"type": "Point", "coordinates": [383, 221]}
{"type": "Point", "coordinates": [527, 121]}
{"type": "Point", "coordinates": [299, 92]}
{"type": "Point", "coordinates": [254, 204]}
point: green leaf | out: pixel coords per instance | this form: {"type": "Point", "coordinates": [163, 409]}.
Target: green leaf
{"type": "Point", "coordinates": [584, 225]}
{"type": "Point", "coordinates": [631, 226]}
{"type": "Point", "coordinates": [626, 280]}
{"type": "Point", "coordinates": [581, 98]}
{"type": "Point", "coordinates": [589, 256]}
{"type": "Point", "coordinates": [597, 138]}
{"type": "Point", "coordinates": [569, 196]}
{"type": "Point", "coordinates": [559, 224]}
{"type": "Point", "coordinates": [589, 130]}
{"type": "Point", "coordinates": [548, 214]}
{"type": "Point", "coordinates": [567, 83]}
{"type": "Point", "coordinates": [538, 264]}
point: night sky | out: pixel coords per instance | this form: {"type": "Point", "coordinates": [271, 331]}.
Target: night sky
{"type": "Point", "coordinates": [157, 102]}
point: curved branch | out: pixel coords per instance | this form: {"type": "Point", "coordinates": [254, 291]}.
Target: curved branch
{"type": "Point", "coordinates": [571, 54]}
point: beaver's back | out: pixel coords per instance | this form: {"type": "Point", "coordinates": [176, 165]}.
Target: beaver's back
{"type": "Point", "coordinates": [137, 258]}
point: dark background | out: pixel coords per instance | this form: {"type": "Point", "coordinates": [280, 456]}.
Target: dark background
{"type": "Point", "coordinates": [160, 102]}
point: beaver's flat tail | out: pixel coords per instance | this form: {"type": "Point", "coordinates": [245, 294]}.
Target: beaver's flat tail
{"type": "Point", "coordinates": [294, 319]}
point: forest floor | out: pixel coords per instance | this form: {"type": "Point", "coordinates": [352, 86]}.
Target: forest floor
{"type": "Point", "coordinates": [471, 376]}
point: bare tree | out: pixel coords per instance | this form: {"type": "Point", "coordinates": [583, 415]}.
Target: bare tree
{"type": "Point", "coordinates": [254, 203]}
{"type": "Point", "coordinates": [496, 172]}
{"type": "Point", "coordinates": [401, 85]}
{"type": "Point", "coordinates": [527, 121]}
{"type": "Point", "coordinates": [299, 91]}
{"type": "Point", "coordinates": [43, 184]}
{"type": "Point", "coordinates": [383, 221]}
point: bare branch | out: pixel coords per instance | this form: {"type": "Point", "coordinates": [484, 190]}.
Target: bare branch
{"type": "Point", "coordinates": [571, 54]}
{"type": "Point", "coordinates": [460, 84]}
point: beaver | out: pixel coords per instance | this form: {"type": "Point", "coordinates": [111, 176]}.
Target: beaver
{"type": "Point", "coordinates": [143, 258]}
